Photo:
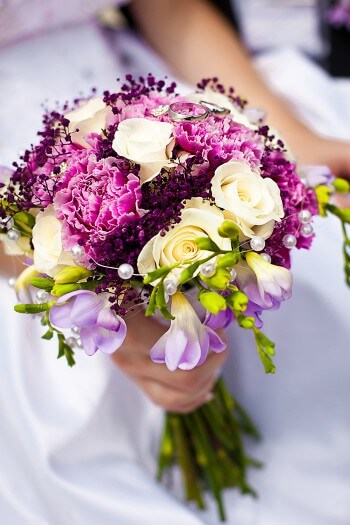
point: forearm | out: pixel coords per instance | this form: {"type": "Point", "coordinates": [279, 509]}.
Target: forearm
{"type": "Point", "coordinates": [198, 42]}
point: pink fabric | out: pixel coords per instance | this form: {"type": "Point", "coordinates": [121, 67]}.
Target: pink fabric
{"type": "Point", "coordinates": [23, 18]}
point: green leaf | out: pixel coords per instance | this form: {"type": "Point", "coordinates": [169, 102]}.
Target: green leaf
{"type": "Point", "coordinates": [205, 243]}
{"type": "Point", "coordinates": [64, 350]}
{"type": "Point", "coordinates": [48, 335]}
{"type": "Point", "coordinates": [42, 283]}
{"type": "Point", "coordinates": [152, 305]}
{"type": "Point", "coordinates": [342, 213]}
{"type": "Point", "coordinates": [266, 348]}
{"type": "Point", "coordinates": [24, 222]}
{"type": "Point", "coordinates": [187, 273]}
{"type": "Point", "coordinates": [160, 302]}
{"type": "Point", "coordinates": [157, 274]}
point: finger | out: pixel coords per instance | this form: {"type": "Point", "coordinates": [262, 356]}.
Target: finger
{"type": "Point", "coordinates": [182, 380]}
{"type": "Point", "coordinates": [173, 400]}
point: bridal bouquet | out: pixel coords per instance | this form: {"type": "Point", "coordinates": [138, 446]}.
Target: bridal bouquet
{"type": "Point", "coordinates": [185, 206]}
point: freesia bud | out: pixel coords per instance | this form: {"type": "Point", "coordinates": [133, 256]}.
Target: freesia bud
{"type": "Point", "coordinates": [220, 280]}
{"type": "Point", "coordinates": [229, 229]}
{"type": "Point", "coordinates": [212, 302]}
{"type": "Point", "coordinates": [71, 274]}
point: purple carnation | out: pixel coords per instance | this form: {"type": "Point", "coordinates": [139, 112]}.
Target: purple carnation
{"type": "Point", "coordinates": [95, 198]}
{"type": "Point", "coordinates": [220, 140]}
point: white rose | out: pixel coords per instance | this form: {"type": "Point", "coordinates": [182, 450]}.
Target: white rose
{"type": "Point", "coordinates": [198, 219]}
{"type": "Point", "coordinates": [146, 142]}
{"type": "Point", "coordinates": [49, 256]}
{"type": "Point", "coordinates": [213, 97]}
{"type": "Point", "coordinates": [251, 201]}
{"type": "Point", "coordinates": [90, 117]}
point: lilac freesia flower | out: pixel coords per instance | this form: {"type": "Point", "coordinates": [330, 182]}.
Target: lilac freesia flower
{"type": "Point", "coordinates": [187, 342]}
{"type": "Point", "coordinates": [219, 320]}
{"type": "Point", "coordinates": [265, 284]}
{"type": "Point", "coordinates": [314, 175]}
{"type": "Point", "coordinates": [100, 327]}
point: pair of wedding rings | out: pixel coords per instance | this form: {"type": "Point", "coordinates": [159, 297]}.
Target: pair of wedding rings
{"type": "Point", "coordinates": [189, 111]}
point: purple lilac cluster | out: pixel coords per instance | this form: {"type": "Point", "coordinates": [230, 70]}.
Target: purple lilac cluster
{"type": "Point", "coordinates": [295, 197]}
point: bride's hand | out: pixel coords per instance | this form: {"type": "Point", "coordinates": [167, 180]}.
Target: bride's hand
{"type": "Point", "coordinates": [180, 391]}
{"type": "Point", "coordinates": [333, 153]}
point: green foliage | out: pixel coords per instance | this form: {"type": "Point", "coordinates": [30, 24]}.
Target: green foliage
{"type": "Point", "coordinates": [266, 348]}
{"type": "Point", "coordinates": [64, 350]}
{"type": "Point", "coordinates": [158, 274]}
{"type": "Point", "coordinates": [205, 243]}
{"type": "Point", "coordinates": [24, 222]}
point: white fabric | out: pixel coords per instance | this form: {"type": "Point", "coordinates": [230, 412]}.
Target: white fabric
{"type": "Point", "coordinates": [79, 445]}
{"type": "Point", "coordinates": [266, 24]}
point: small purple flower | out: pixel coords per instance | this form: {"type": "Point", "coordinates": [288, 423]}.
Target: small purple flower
{"type": "Point", "coordinates": [100, 327]}
{"type": "Point", "coordinates": [314, 175]}
{"type": "Point", "coordinates": [187, 342]}
{"type": "Point", "coordinates": [220, 320]}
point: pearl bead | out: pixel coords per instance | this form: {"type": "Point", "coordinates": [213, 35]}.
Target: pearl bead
{"type": "Point", "coordinates": [11, 282]}
{"type": "Point", "coordinates": [304, 216]}
{"type": "Point", "coordinates": [208, 269]}
{"type": "Point", "coordinates": [306, 230]}
{"type": "Point", "coordinates": [266, 256]}
{"type": "Point", "coordinates": [13, 235]}
{"type": "Point", "coordinates": [71, 341]}
{"type": "Point", "coordinates": [125, 271]}
{"type": "Point", "coordinates": [170, 286]}
{"type": "Point", "coordinates": [78, 343]}
{"type": "Point", "coordinates": [77, 251]}
{"type": "Point", "coordinates": [8, 223]}
{"type": "Point", "coordinates": [289, 241]}
{"type": "Point", "coordinates": [41, 296]}
{"type": "Point", "coordinates": [75, 330]}
{"type": "Point", "coordinates": [233, 274]}
{"type": "Point", "coordinates": [257, 244]}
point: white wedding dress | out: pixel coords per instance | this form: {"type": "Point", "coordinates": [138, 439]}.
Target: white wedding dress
{"type": "Point", "coordinates": [79, 445]}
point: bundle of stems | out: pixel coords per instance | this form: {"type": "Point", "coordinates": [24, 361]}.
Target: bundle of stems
{"type": "Point", "coordinates": [207, 445]}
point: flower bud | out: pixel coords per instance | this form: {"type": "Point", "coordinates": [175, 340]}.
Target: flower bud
{"type": "Point", "coordinates": [341, 185]}
{"type": "Point", "coordinates": [62, 289]}
{"type": "Point", "coordinates": [229, 229]}
{"type": "Point", "coordinates": [245, 322]}
{"type": "Point", "coordinates": [71, 274]}
{"type": "Point", "coordinates": [212, 302]}
{"type": "Point", "coordinates": [238, 301]}
{"type": "Point", "coordinates": [220, 280]}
